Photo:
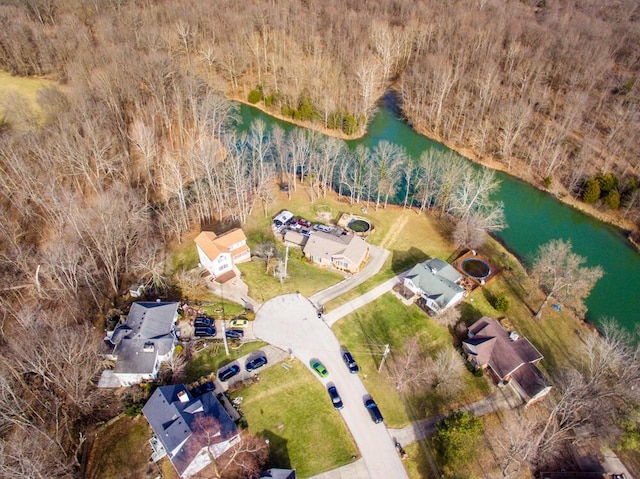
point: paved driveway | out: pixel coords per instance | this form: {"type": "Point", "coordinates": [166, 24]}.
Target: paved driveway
{"type": "Point", "coordinates": [291, 323]}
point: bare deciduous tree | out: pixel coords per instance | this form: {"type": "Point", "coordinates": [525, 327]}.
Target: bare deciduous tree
{"type": "Point", "coordinates": [561, 274]}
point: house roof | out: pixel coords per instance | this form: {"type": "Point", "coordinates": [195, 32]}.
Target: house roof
{"type": "Point", "coordinates": [296, 238]}
{"type": "Point", "coordinates": [530, 380]}
{"type": "Point", "coordinates": [493, 347]}
{"type": "Point", "coordinates": [328, 246]}
{"type": "Point", "coordinates": [212, 245]}
{"type": "Point", "coordinates": [172, 421]}
{"type": "Point", "coordinates": [147, 333]}
{"type": "Point", "coordinates": [279, 473]}
{"type": "Point", "coordinates": [437, 279]}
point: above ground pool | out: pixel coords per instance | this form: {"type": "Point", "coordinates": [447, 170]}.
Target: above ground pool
{"type": "Point", "coordinates": [359, 225]}
{"type": "Point", "coordinates": [476, 268]}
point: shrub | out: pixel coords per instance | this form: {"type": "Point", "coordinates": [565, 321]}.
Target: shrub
{"type": "Point", "coordinates": [591, 192]}
{"type": "Point", "coordinates": [612, 200]}
{"type": "Point", "coordinates": [334, 121]}
{"type": "Point", "coordinates": [501, 303]}
{"type": "Point", "coordinates": [456, 437]}
{"type": "Point", "coordinates": [547, 181]}
{"type": "Point", "coordinates": [255, 96]}
{"type": "Point", "coordinates": [607, 182]}
{"type": "Point", "coordinates": [268, 100]}
{"type": "Point", "coordinates": [286, 111]}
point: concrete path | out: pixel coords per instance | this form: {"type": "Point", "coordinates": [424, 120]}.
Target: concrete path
{"type": "Point", "coordinates": [291, 323]}
{"type": "Point", "coordinates": [376, 261]}
{"type": "Point", "coordinates": [234, 290]}
{"type": "Point", "coordinates": [499, 400]}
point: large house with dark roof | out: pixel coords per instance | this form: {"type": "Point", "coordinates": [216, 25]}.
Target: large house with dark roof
{"type": "Point", "coordinates": [437, 283]}
{"type": "Point", "coordinates": [218, 254]}
{"type": "Point", "coordinates": [173, 413]}
{"type": "Point", "coordinates": [346, 252]}
{"type": "Point", "coordinates": [139, 345]}
{"type": "Point", "coordinates": [508, 357]}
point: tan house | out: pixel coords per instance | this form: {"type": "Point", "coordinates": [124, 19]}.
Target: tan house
{"type": "Point", "coordinates": [218, 254]}
{"type": "Point", "coordinates": [508, 357]}
{"type": "Point", "coordinates": [346, 252]}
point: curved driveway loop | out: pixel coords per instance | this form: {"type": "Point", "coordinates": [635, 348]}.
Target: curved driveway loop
{"type": "Point", "coordinates": [291, 323]}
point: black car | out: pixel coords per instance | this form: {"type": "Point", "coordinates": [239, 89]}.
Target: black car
{"type": "Point", "coordinates": [255, 363]}
{"type": "Point", "coordinates": [204, 332]}
{"type": "Point", "coordinates": [335, 397]}
{"type": "Point", "coordinates": [350, 362]}
{"type": "Point", "coordinates": [202, 322]}
{"type": "Point", "coordinates": [226, 374]}
{"type": "Point", "coordinates": [234, 333]}
{"type": "Point", "coordinates": [374, 412]}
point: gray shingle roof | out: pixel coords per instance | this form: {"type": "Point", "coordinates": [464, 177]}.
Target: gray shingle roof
{"type": "Point", "coordinates": [171, 420]}
{"type": "Point", "coordinates": [327, 246]}
{"type": "Point", "coordinates": [436, 279]}
{"type": "Point", "coordinates": [147, 323]}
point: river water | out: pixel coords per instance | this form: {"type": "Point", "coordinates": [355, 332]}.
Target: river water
{"type": "Point", "coordinates": [534, 218]}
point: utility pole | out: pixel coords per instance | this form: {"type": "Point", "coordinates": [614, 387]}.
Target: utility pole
{"type": "Point", "coordinates": [224, 327]}
{"type": "Point", "coordinates": [286, 261]}
{"type": "Point", "coordinates": [387, 350]}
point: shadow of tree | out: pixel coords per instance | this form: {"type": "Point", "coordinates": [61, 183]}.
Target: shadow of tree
{"type": "Point", "coordinates": [403, 260]}
{"type": "Point", "coordinates": [278, 450]}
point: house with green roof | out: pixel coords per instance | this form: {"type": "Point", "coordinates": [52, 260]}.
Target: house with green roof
{"type": "Point", "coordinates": [437, 283]}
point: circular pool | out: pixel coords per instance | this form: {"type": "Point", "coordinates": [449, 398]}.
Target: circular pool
{"type": "Point", "coordinates": [476, 268]}
{"type": "Point", "coordinates": [359, 225]}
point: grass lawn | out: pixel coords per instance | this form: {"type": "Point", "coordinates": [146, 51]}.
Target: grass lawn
{"type": "Point", "coordinates": [292, 410]}
{"type": "Point", "coordinates": [213, 358]}
{"type": "Point", "coordinates": [301, 276]}
{"type": "Point", "coordinates": [20, 98]}
{"type": "Point", "coordinates": [388, 321]}
{"type": "Point", "coordinates": [111, 453]}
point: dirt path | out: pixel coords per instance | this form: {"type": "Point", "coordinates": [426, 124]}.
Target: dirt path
{"type": "Point", "coordinates": [394, 231]}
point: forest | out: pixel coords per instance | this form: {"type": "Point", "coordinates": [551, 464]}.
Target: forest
{"type": "Point", "coordinates": [136, 144]}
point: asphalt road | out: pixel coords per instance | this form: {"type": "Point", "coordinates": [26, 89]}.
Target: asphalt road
{"type": "Point", "coordinates": [291, 323]}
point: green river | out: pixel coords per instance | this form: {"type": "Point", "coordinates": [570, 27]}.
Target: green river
{"type": "Point", "coordinates": [534, 218]}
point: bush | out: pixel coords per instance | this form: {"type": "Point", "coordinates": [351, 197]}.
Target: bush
{"type": "Point", "coordinates": [612, 200]}
{"type": "Point", "coordinates": [501, 303]}
{"type": "Point", "coordinates": [255, 96]}
{"type": "Point", "coordinates": [268, 101]}
{"type": "Point", "coordinates": [334, 121]}
{"type": "Point", "coordinates": [456, 437]}
{"type": "Point", "coordinates": [591, 192]}
{"type": "Point", "coordinates": [547, 181]}
{"type": "Point", "coordinates": [287, 111]}
{"type": "Point", "coordinates": [607, 182]}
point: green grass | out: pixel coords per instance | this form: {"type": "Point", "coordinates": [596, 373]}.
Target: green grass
{"type": "Point", "coordinates": [111, 453]}
{"type": "Point", "coordinates": [388, 321]}
{"type": "Point", "coordinates": [213, 358]}
{"type": "Point", "coordinates": [21, 101]}
{"type": "Point", "coordinates": [293, 410]}
{"type": "Point", "coordinates": [301, 276]}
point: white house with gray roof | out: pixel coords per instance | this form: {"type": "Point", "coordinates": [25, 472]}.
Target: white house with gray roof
{"type": "Point", "coordinates": [139, 345]}
{"type": "Point", "coordinates": [437, 282]}
{"type": "Point", "coordinates": [173, 413]}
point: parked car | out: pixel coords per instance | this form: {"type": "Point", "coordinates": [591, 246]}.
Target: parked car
{"type": "Point", "coordinates": [335, 397]}
{"type": "Point", "coordinates": [203, 388]}
{"type": "Point", "coordinates": [374, 412]}
{"type": "Point", "coordinates": [255, 363]}
{"type": "Point", "coordinates": [203, 332]}
{"type": "Point", "coordinates": [350, 362]}
{"type": "Point", "coordinates": [318, 367]}
{"type": "Point", "coordinates": [234, 333]}
{"type": "Point", "coordinates": [202, 322]}
{"type": "Point", "coordinates": [239, 323]}
{"type": "Point", "coordinates": [226, 374]}
{"type": "Point", "coordinates": [304, 223]}
{"type": "Point", "coordinates": [324, 228]}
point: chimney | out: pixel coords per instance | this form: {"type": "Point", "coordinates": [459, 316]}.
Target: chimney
{"type": "Point", "coordinates": [513, 336]}
{"type": "Point", "coordinates": [183, 396]}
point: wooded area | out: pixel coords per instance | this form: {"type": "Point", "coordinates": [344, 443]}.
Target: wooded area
{"type": "Point", "coordinates": [137, 145]}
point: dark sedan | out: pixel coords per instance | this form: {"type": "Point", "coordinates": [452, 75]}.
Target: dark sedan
{"type": "Point", "coordinates": [335, 397]}
{"type": "Point", "coordinates": [256, 363]}
{"type": "Point", "coordinates": [228, 373]}
{"type": "Point", "coordinates": [374, 412]}
{"type": "Point", "coordinates": [204, 332]}
{"type": "Point", "coordinates": [234, 333]}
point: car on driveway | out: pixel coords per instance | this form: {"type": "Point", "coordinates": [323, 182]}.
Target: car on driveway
{"type": "Point", "coordinates": [318, 367]}
{"type": "Point", "coordinates": [304, 223]}
{"type": "Point", "coordinates": [239, 323]}
{"type": "Point", "coordinates": [228, 373]}
{"type": "Point", "coordinates": [202, 322]}
{"type": "Point", "coordinates": [335, 397]}
{"type": "Point", "coordinates": [234, 333]}
{"type": "Point", "coordinates": [255, 363]}
{"type": "Point", "coordinates": [350, 362]}
{"type": "Point", "coordinates": [374, 412]}
{"type": "Point", "coordinates": [204, 332]}
{"type": "Point", "coordinates": [320, 227]}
